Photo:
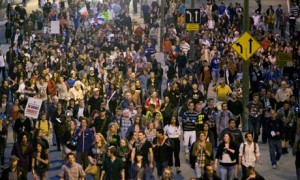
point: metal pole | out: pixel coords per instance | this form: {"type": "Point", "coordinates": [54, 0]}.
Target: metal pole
{"type": "Point", "coordinates": [192, 39]}
{"type": "Point", "coordinates": [162, 25]}
{"type": "Point", "coordinates": [245, 68]}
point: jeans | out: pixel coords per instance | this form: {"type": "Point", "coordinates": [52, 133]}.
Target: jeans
{"type": "Point", "coordinates": [188, 137]}
{"type": "Point", "coordinates": [2, 149]}
{"type": "Point", "coordinates": [160, 166]}
{"type": "Point", "coordinates": [298, 173]}
{"type": "Point", "coordinates": [76, 23]}
{"type": "Point", "coordinates": [3, 72]}
{"type": "Point", "coordinates": [275, 150]}
{"type": "Point", "coordinates": [199, 171]}
{"type": "Point", "coordinates": [226, 172]}
{"type": "Point", "coordinates": [82, 158]}
{"type": "Point", "coordinates": [216, 73]}
{"type": "Point", "coordinates": [254, 125]}
{"type": "Point", "coordinates": [264, 129]}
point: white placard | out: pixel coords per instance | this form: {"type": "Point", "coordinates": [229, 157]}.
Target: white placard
{"type": "Point", "coordinates": [55, 27]}
{"type": "Point", "coordinates": [33, 107]}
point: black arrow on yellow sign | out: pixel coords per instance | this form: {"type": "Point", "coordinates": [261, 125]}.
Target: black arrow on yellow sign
{"type": "Point", "coordinates": [241, 47]}
{"type": "Point", "coordinates": [250, 45]}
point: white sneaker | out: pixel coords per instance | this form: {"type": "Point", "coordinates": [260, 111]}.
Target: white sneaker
{"type": "Point", "coordinates": [274, 166]}
{"type": "Point", "coordinates": [277, 163]}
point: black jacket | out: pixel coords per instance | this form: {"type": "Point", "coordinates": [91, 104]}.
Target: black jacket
{"type": "Point", "coordinates": [220, 150]}
{"type": "Point", "coordinates": [20, 173]}
{"type": "Point", "coordinates": [275, 126]}
{"type": "Point", "coordinates": [76, 109]}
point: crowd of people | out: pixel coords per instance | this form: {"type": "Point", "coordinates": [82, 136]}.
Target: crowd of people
{"type": "Point", "coordinates": [104, 106]}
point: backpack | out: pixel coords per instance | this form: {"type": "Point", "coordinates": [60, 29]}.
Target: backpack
{"type": "Point", "coordinates": [244, 147]}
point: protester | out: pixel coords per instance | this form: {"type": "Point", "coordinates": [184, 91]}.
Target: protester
{"type": "Point", "coordinates": [23, 150]}
{"type": "Point", "coordinates": [113, 166]}
{"type": "Point", "coordinates": [226, 158]}
{"type": "Point", "coordinates": [173, 132]}
{"type": "Point", "coordinates": [249, 154]}
{"type": "Point", "coordinates": [97, 154]}
{"type": "Point", "coordinates": [40, 162]}
{"type": "Point", "coordinates": [161, 147]}
{"type": "Point", "coordinates": [288, 116]}
{"type": "Point", "coordinates": [275, 128]}
{"type": "Point", "coordinates": [14, 170]}
{"type": "Point", "coordinates": [209, 173]}
{"type": "Point", "coordinates": [254, 109]}
{"type": "Point", "coordinates": [201, 153]}
{"type": "Point", "coordinates": [72, 170]}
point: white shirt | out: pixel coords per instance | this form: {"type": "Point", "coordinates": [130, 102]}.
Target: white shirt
{"type": "Point", "coordinates": [249, 157]}
{"type": "Point", "coordinates": [16, 38]}
{"type": "Point", "coordinates": [80, 113]}
{"type": "Point", "coordinates": [2, 61]}
{"type": "Point", "coordinates": [172, 131]}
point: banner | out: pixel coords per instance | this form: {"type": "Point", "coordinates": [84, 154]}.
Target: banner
{"type": "Point", "coordinates": [55, 27]}
{"type": "Point", "coordinates": [83, 11]}
{"type": "Point", "coordinates": [33, 107]}
{"type": "Point", "coordinates": [283, 59]}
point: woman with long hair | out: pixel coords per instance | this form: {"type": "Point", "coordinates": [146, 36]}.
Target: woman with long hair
{"type": "Point", "coordinates": [68, 143]}
{"type": "Point", "coordinates": [133, 136]}
{"type": "Point", "coordinates": [173, 131]}
{"type": "Point", "coordinates": [97, 153]}
{"type": "Point", "coordinates": [56, 119]}
{"type": "Point", "coordinates": [226, 158]}
{"type": "Point", "coordinates": [124, 154]}
{"type": "Point", "coordinates": [201, 152]}
{"type": "Point", "coordinates": [113, 138]}
{"type": "Point", "coordinates": [136, 126]}
{"type": "Point", "coordinates": [150, 131]}
{"type": "Point", "coordinates": [14, 115]}
{"type": "Point", "coordinates": [38, 136]}
{"type": "Point", "coordinates": [209, 135]}
{"type": "Point", "coordinates": [40, 161]}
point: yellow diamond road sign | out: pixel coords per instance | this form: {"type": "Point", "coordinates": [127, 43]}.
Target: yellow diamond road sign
{"type": "Point", "coordinates": [246, 46]}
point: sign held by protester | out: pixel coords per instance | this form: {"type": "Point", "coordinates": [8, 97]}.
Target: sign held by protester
{"type": "Point", "coordinates": [33, 107]}
{"type": "Point", "coordinates": [246, 46]}
{"type": "Point", "coordinates": [54, 27]}
{"type": "Point", "coordinates": [283, 59]}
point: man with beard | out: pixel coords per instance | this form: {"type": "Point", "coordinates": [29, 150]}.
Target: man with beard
{"type": "Point", "coordinates": [95, 101]}
{"type": "Point", "coordinates": [236, 107]}
{"type": "Point", "coordinates": [101, 122]}
{"type": "Point", "coordinates": [23, 150]}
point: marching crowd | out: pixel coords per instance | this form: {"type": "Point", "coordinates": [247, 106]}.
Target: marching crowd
{"type": "Point", "coordinates": [104, 106]}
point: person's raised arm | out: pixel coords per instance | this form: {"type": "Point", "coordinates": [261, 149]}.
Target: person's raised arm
{"type": "Point", "coordinates": [132, 155]}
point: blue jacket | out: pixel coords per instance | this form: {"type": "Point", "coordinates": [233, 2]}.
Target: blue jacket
{"type": "Point", "coordinates": [85, 140]}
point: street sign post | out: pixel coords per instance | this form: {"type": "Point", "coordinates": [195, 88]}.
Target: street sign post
{"type": "Point", "coordinates": [245, 46]}
{"type": "Point", "coordinates": [192, 16]}
{"type": "Point", "coordinates": [192, 19]}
